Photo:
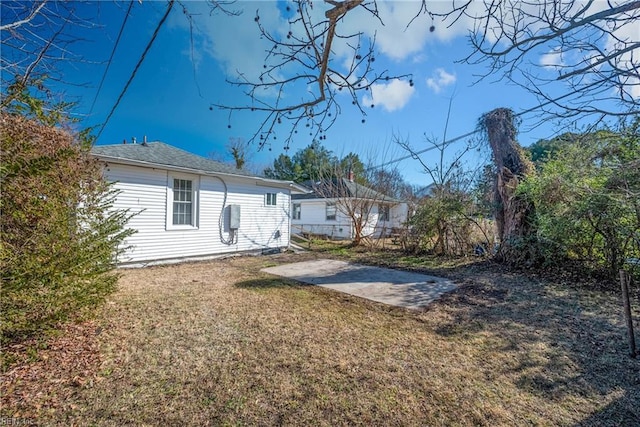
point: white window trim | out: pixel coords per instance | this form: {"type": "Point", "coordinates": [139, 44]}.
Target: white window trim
{"type": "Point", "coordinates": [381, 210]}
{"type": "Point", "coordinates": [335, 215]}
{"type": "Point", "coordinates": [266, 197]}
{"type": "Point", "coordinates": [195, 188]}
{"type": "Point", "coordinates": [293, 211]}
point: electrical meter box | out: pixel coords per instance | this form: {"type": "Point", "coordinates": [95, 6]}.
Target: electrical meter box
{"type": "Point", "coordinates": [234, 217]}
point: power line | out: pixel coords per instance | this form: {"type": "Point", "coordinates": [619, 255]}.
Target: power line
{"type": "Point", "coordinates": [415, 154]}
{"type": "Point", "coordinates": [115, 46]}
{"type": "Point", "coordinates": [135, 70]}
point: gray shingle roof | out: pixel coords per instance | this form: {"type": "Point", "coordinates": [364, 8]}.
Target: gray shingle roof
{"type": "Point", "coordinates": [160, 153]}
{"type": "Point", "coordinates": [337, 188]}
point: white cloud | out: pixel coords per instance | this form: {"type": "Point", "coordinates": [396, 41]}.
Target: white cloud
{"type": "Point", "coordinates": [234, 41]}
{"type": "Point", "coordinates": [440, 80]}
{"type": "Point", "coordinates": [635, 89]}
{"type": "Point", "coordinates": [621, 37]}
{"type": "Point", "coordinates": [391, 96]}
{"type": "Point", "coordinates": [553, 59]}
{"type": "Point", "coordinates": [394, 37]}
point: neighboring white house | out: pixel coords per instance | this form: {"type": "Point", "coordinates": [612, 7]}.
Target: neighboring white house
{"type": "Point", "coordinates": [189, 207]}
{"type": "Point", "coordinates": [330, 206]}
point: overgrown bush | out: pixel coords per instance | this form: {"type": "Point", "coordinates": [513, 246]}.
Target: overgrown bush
{"type": "Point", "coordinates": [447, 223]}
{"type": "Point", "coordinates": [59, 235]}
{"type": "Point", "coordinates": [587, 198]}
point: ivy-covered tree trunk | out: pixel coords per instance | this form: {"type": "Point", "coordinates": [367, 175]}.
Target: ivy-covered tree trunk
{"type": "Point", "coordinates": [513, 211]}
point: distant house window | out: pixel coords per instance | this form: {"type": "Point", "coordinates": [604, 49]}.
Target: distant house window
{"type": "Point", "coordinates": [271, 199]}
{"type": "Point", "coordinates": [383, 212]}
{"type": "Point", "coordinates": [296, 211]}
{"type": "Point", "coordinates": [331, 211]}
{"type": "Point", "coordinates": [183, 202]}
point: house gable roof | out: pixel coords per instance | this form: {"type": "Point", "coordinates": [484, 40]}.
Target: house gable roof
{"type": "Point", "coordinates": [337, 188]}
{"type": "Point", "coordinates": [159, 154]}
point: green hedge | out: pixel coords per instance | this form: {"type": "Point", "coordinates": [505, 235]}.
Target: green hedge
{"type": "Point", "coordinates": [60, 235]}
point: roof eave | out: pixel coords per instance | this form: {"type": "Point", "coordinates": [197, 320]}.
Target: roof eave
{"type": "Point", "coordinates": [299, 189]}
{"type": "Point", "coordinates": [292, 186]}
{"type": "Point", "coordinates": [319, 198]}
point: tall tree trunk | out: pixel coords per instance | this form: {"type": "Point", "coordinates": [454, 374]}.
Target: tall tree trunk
{"type": "Point", "coordinates": [514, 212]}
{"type": "Point", "coordinates": [357, 232]}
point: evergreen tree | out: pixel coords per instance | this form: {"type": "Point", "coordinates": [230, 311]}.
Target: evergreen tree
{"type": "Point", "coordinates": [60, 235]}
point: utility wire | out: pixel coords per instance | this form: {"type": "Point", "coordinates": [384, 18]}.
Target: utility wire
{"type": "Point", "coordinates": [135, 70]}
{"type": "Point", "coordinates": [414, 154]}
{"type": "Point", "coordinates": [115, 46]}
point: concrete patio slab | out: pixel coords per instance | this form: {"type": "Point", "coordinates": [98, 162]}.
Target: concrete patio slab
{"type": "Point", "coordinates": [394, 287]}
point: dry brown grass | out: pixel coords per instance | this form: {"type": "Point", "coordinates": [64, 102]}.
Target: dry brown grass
{"type": "Point", "coordinates": [219, 343]}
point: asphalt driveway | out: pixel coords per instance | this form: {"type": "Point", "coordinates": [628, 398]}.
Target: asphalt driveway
{"type": "Point", "coordinates": [394, 287]}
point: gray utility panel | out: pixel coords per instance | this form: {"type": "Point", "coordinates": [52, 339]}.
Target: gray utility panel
{"type": "Point", "coordinates": [234, 217]}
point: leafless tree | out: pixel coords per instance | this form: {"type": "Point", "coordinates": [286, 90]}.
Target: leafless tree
{"type": "Point", "coordinates": [303, 59]}
{"type": "Point", "coordinates": [446, 216]}
{"type": "Point", "coordinates": [445, 221]}
{"type": "Point", "coordinates": [390, 181]}
{"type": "Point", "coordinates": [39, 41]}
{"type": "Point", "coordinates": [592, 47]}
{"type": "Point", "coordinates": [240, 151]}
{"type": "Point", "coordinates": [444, 172]}
{"type": "Point", "coordinates": [237, 153]}
{"type": "Point", "coordinates": [359, 204]}
{"type": "Point", "coordinates": [35, 38]}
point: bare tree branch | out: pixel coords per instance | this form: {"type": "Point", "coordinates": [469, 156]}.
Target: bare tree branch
{"type": "Point", "coordinates": [360, 204]}
{"type": "Point", "coordinates": [37, 39]}
{"type": "Point", "coordinates": [302, 59]}
{"type": "Point", "coordinates": [584, 42]}
{"type": "Point", "coordinates": [26, 20]}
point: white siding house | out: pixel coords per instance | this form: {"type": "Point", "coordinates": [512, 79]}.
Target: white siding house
{"type": "Point", "coordinates": [327, 209]}
{"type": "Point", "coordinates": [189, 207]}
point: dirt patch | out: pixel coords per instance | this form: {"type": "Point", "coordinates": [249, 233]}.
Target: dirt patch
{"type": "Point", "coordinates": [219, 343]}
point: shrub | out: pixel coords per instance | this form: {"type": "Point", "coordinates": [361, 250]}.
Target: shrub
{"type": "Point", "coordinates": [587, 198]}
{"type": "Point", "coordinates": [59, 233]}
{"type": "Point", "coordinates": [447, 223]}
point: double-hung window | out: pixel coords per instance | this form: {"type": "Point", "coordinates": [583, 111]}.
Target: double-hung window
{"type": "Point", "coordinates": [271, 199]}
{"type": "Point", "coordinates": [331, 211]}
{"type": "Point", "coordinates": [182, 202]}
{"type": "Point", "coordinates": [296, 211]}
{"type": "Point", "coordinates": [383, 212]}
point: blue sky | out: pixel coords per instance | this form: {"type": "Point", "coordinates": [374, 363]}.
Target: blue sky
{"type": "Point", "coordinates": [170, 97]}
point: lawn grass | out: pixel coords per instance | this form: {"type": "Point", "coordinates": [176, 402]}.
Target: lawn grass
{"type": "Point", "coordinates": [220, 343]}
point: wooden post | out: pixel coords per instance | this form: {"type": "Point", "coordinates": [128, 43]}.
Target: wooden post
{"type": "Point", "coordinates": [625, 281]}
